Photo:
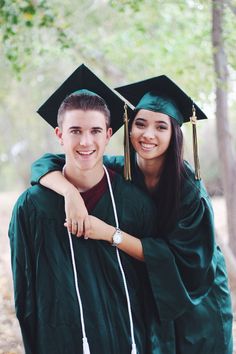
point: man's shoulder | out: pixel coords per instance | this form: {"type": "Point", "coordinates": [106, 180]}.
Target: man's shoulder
{"type": "Point", "coordinates": [41, 199]}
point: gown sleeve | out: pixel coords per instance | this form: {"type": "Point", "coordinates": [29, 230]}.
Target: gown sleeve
{"type": "Point", "coordinates": [55, 162]}
{"type": "Point", "coordinates": [45, 164]}
{"type": "Point", "coordinates": [181, 264]}
{"type": "Point", "coordinates": [23, 275]}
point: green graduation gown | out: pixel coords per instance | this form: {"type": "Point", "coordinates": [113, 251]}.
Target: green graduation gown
{"type": "Point", "coordinates": [186, 270]}
{"type": "Point", "coordinates": [45, 297]}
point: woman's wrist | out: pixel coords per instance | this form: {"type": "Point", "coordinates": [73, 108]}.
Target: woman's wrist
{"type": "Point", "coordinates": [108, 233]}
{"type": "Point", "coordinates": [69, 189]}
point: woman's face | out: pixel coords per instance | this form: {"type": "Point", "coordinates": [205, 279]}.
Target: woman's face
{"type": "Point", "coordinates": [151, 134]}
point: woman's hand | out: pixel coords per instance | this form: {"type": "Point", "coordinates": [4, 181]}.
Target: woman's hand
{"type": "Point", "coordinates": [76, 212]}
{"type": "Point", "coordinates": [97, 229]}
{"type": "Point", "coordinates": [75, 208]}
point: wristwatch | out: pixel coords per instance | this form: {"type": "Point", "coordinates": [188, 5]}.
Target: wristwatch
{"type": "Point", "coordinates": [117, 237]}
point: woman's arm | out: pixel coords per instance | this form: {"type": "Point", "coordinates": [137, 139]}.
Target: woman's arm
{"type": "Point", "coordinates": [45, 164]}
{"type": "Point", "coordinates": [75, 208]}
{"type": "Point", "coordinates": [47, 172]}
{"type": "Point", "coordinates": [99, 230]}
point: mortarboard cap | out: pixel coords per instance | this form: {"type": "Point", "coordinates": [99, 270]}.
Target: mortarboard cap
{"type": "Point", "coordinates": [161, 94]}
{"type": "Point", "coordinates": [84, 79]}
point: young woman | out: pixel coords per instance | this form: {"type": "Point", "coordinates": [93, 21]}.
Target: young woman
{"type": "Point", "coordinates": [186, 269]}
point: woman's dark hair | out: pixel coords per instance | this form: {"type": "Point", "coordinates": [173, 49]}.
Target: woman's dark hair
{"type": "Point", "coordinates": [167, 193]}
{"type": "Point", "coordinates": [84, 102]}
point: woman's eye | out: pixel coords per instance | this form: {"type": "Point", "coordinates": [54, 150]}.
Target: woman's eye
{"type": "Point", "coordinates": [139, 125]}
{"type": "Point", "coordinates": [162, 127]}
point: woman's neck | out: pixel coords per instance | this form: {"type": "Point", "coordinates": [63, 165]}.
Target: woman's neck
{"type": "Point", "coordinates": [151, 170]}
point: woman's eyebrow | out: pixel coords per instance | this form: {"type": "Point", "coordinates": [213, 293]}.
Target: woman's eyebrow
{"type": "Point", "coordinates": [156, 121]}
{"type": "Point", "coordinates": [139, 118]}
{"type": "Point", "coordinates": [162, 122]}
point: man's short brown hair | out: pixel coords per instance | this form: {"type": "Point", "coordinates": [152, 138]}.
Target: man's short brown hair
{"type": "Point", "coordinates": [85, 102]}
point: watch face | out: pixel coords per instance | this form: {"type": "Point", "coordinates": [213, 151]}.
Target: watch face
{"type": "Point", "coordinates": [117, 237]}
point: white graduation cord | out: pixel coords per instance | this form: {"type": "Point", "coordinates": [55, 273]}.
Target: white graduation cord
{"type": "Point", "coordinates": [86, 349]}
{"type": "Point", "coordinates": [134, 350]}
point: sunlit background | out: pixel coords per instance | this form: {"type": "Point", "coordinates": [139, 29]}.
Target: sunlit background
{"type": "Point", "coordinates": [124, 41]}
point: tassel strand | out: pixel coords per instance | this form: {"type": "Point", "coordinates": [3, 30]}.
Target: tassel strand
{"type": "Point", "coordinates": [193, 120]}
{"type": "Point", "coordinates": [127, 167]}
{"type": "Point", "coordinates": [134, 349]}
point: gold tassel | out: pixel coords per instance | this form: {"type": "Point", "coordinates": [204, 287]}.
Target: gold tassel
{"type": "Point", "coordinates": [193, 120]}
{"type": "Point", "coordinates": [127, 167]}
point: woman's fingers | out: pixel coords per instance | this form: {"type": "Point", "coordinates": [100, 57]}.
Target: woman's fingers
{"type": "Point", "coordinates": [75, 227]}
{"type": "Point", "coordinates": [80, 228]}
{"type": "Point", "coordinates": [87, 227]}
{"type": "Point", "coordinates": [76, 212]}
{"type": "Point", "coordinates": [68, 224]}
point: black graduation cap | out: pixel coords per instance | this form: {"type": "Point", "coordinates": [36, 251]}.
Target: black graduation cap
{"type": "Point", "coordinates": [161, 94]}
{"type": "Point", "coordinates": [84, 78]}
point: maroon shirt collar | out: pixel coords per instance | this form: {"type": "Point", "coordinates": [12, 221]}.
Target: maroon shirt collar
{"type": "Point", "coordinates": [93, 195]}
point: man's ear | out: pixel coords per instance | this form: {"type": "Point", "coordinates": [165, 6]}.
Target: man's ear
{"type": "Point", "coordinates": [109, 134]}
{"type": "Point", "coordinates": [59, 134]}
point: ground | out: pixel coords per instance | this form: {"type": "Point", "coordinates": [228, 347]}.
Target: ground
{"type": "Point", "coordinates": [10, 337]}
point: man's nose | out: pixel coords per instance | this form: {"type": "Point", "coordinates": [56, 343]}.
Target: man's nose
{"type": "Point", "coordinates": [85, 139]}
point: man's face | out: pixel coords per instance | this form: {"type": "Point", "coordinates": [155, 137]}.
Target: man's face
{"type": "Point", "coordinates": [84, 136]}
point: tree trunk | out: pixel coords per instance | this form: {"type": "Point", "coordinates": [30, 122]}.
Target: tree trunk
{"type": "Point", "coordinates": [224, 139]}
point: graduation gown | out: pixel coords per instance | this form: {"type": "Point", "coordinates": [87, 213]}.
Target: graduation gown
{"type": "Point", "coordinates": [45, 297]}
{"type": "Point", "coordinates": [186, 270]}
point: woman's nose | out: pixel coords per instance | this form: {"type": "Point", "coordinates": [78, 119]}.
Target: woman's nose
{"type": "Point", "coordinates": [148, 133]}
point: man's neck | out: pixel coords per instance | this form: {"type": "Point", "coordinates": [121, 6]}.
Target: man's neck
{"type": "Point", "coordinates": [84, 180]}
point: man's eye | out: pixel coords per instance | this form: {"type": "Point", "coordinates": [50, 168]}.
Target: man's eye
{"type": "Point", "coordinates": [96, 131]}
{"type": "Point", "coordinates": [75, 131]}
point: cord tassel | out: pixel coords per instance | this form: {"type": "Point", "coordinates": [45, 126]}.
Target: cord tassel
{"type": "Point", "coordinates": [134, 349]}
{"type": "Point", "coordinates": [127, 168]}
{"type": "Point", "coordinates": [193, 120]}
{"type": "Point", "coordinates": [86, 349]}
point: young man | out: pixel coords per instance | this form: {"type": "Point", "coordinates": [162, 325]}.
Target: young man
{"type": "Point", "coordinates": [71, 290]}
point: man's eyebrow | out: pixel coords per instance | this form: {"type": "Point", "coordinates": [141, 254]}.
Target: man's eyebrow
{"type": "Point", "coordinates": [79, 127]}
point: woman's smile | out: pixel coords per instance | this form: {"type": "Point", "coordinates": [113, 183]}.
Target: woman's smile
{"type": "Point", "coordinates": [147, 146]}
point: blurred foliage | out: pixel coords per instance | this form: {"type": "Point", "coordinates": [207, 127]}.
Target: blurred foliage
{"type": "Point", "coordinates": [42, 42]}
